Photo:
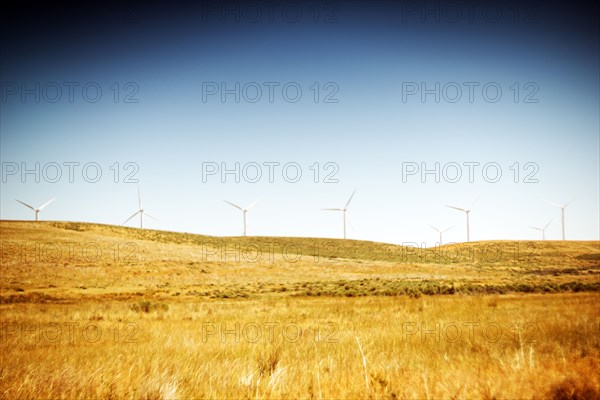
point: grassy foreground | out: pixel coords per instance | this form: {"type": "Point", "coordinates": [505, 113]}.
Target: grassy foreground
{"type": "Point", "coordinates": [159, 315]}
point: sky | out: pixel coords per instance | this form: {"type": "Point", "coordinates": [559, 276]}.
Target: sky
{"type": "Point", "coordinates": [294, 105]}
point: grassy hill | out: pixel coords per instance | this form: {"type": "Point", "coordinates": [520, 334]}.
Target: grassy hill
{"type": "Point", "coordinates": [91, 311]}
{"type": "Point", "coordinates": [63, 260]}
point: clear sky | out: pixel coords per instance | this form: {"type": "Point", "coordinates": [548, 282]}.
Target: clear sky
{"type": "Point", "coordinates": [374, 92]}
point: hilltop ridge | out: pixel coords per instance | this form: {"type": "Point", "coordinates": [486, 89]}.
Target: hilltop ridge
{"type": "Point", "coordinates": [74, 259]}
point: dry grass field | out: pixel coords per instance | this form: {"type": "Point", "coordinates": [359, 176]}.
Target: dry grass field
{"type": "Point", "coordinates": [96, 311]}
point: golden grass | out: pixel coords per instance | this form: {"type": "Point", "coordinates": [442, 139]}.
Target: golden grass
{"type": "Point", "coordinates": [517, 346]}
{"type": "Point", "coordinates": [175, 320]}
{"type": "Point", "coordinates": [74, 260]}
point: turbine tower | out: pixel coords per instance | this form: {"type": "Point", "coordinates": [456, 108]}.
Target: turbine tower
{"type": "Point", "coordinates": [140, 211]}
{"type": "Point", "coordinates": [440, 232]}
{"type": "Point", "coordinates": [343, 210]}
{"type": "Point", "coordinates": [543, 230]}
{"type": "Point", "coordinates": [562, 215]}
{"type": "Point", "coordinates": [466, 211]}
{"type": "Point", "coordinates": [244, 211]}
{"type": "Point", "coordinates": [37, 210]}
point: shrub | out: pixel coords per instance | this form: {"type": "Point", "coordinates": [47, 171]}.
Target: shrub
{"type": "Point", "coordinates": [569, 389]}
{"type": "Point", "coordinates": [146, 306]}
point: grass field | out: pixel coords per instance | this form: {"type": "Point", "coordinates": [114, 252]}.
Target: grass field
{"type": "Point", "coordinates": [98, 311]}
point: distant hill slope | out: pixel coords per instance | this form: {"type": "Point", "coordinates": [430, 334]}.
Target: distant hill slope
{"type": "Point", "coordinates": [72, 259]}
{"type": "Point", "coordinates": [482, 251]}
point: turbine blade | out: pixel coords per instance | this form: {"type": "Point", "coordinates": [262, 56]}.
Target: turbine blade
{"type": "Point", "coordinates": [447, 229]}
{"type": "Point", "coordinates": [251, 205]}
{"type": "Point", "coordinates": [569, 203]}
{"type": "Point", "coordinates": [476, 200]}
{"type": "Point", "coordinates": [139, 199]}
{"type": "Point", "coordinates": [436, 229]}
{"type": "Point", "coordinates": [332, 209]}
{"type": "Point", "coordinates": [45, 204]}
{"type": "Point", "coordinates": [549, 222]}
{"type": "Point", "coordinates": [145, 213]}
{"type": "Point", "coordinates": [536, 228]}
{"type": "Point", "coordinates": [457, 208]}
{"type": "Point", "coordinates": [127, 220]}
{"type": "Point", "coordinates": [26, 205]}
{"type": "Point", "coordinates": [350, 199]}
{"type": "Point", "coordinates": [554, 204]}
{"type": "Point", "coordinates": [236, 206]}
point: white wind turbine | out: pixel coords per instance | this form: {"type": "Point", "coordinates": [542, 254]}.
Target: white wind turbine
{"type": "Point", "coordinates": [343, 210]}
{"type": "Point", "coordinates": [562, 214]}
{"type": "Point", "coordinates": [543, 230]}
{"type": "Point", "coordinates": [244, 211]}
{"type": "Point", "coordinates": [37, 210]}
{"type": "Point", "coordinates": [466, 211]}
{"type": "Point", "coordinates": [140, 211]}
{"type": "Point", "coordinates": [440, 232]}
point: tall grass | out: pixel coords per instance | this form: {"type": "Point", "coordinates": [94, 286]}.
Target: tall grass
{"type": "Point", "coordinates": [526, 346]}
{"type": "Point", "coordinates": [163, 315]}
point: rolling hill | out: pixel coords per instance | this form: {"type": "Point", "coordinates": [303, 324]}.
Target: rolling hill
{"type": "Point", "coordinates": [99, 311]}
{"type": "Point", "coordinates": [66, 260]}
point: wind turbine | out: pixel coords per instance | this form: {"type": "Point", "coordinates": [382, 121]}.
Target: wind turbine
{"type": "Point", "coordinates": [36, 210]}
{"type": "Point", "coordinates": [543, 230]}
{"type": "Point", "coordinates": [562, 214]}
{"type": "Point", "coordinates": [244, 211]}
{"type": "Point", "coordinates": [466, 211]}
{"type": "Point", "coordinates": [440, 232]}
{"type": "Point", "coordinates": [343, 210]}
{"type": "Point", "coordinates": [140, 211]}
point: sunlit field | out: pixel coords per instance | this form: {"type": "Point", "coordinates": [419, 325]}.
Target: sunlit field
{"type": "Point", "coordinates": [96, 311]}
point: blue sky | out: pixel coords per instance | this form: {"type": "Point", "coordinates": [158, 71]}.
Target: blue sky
{"type": "Point", "coordinates": [363, 58]}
